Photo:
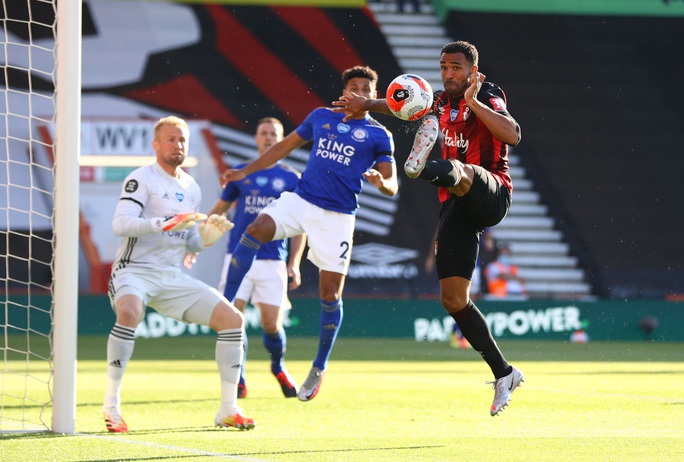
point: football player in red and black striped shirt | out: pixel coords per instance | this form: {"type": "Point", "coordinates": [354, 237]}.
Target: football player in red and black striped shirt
{"type": "Point", "coordinates": [474, 188]}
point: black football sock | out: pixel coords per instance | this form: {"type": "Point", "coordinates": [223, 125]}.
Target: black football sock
{"type": "Point", "coordinates": [475, 329]}
{"type": "Point", "coordinates": [440, 173]}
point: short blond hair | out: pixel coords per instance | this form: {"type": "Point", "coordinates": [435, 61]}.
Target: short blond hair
{"type": "Point", "coordinates": [270, 120]}
{"type": "Point", "coordinates": [172, 121]}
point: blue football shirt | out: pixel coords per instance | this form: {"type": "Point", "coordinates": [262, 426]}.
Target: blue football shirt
{"type": "Point", "coordinates": [253, 193]}
{"type": "Point", "coordinates": [341, 153]}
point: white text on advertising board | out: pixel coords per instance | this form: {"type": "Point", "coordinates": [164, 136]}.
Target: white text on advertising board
{"type": "Point", "coordinates": [519, 322]}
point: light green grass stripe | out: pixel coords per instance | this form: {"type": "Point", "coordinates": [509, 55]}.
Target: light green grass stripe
{"type": "Point", "coordinates": [381, 401]}
{"type": "Point", "coordinates": [167, 447]}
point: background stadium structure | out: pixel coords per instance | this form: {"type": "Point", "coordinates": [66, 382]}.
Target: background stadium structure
{"type": "Point", "coordinates": [585, 137]}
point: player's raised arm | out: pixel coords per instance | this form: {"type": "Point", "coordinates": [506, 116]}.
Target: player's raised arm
{"type": "Point", "coordinates": [127, 221]}
{"type": "Point", "coordinates": [384, 177]}
{"type": "Point", "coordinates": [504, 127]}
{"type": "Point", "coordinates": [272, 155]}
{"type": "Point", "coordinates": [354, 106]}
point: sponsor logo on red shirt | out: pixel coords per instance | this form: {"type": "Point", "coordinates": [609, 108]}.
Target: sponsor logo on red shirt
{"type": "Point", "coordinates": [498, 104]}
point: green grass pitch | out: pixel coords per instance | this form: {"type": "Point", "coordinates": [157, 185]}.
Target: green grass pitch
{"type": "Point", "coordinates": [382, 400]}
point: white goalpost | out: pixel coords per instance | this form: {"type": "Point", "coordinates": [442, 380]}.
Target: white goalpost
{"type": "Point", "coordinates": [67, 153]}
{"type": "Point", "coordinates": [40, 83]}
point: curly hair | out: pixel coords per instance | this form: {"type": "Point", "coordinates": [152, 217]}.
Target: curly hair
{"type": "Point", "coordinates": [461, 46]}
{"type": "Point", "coordinates": [359, 71]}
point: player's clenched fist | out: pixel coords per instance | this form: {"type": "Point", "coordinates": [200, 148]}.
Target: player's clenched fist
{"type": "Point", "coordinates": [213, 228]}
{"type": "Point", "coordinates": [180, 221]}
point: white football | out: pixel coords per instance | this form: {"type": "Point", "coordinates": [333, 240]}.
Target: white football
{"type": "Point", "coordinates": [409, 97]}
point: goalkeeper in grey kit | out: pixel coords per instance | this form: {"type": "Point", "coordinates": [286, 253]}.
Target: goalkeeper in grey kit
{"type": "Point", "coordinates": [158, 220]}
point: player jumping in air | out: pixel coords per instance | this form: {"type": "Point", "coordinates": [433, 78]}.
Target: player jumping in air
{"type": "Point", "coordinates": [474, 187]}
{"type": "Point", "coordinates": [343, 155]}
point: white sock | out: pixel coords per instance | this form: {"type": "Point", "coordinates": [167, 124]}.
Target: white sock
{"type": "Point", "coordinates": [229, 360]}
{"type": "Point", "coordinates": [119, 352]}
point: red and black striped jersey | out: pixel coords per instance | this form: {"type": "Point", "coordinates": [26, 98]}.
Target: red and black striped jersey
{"type": "Point", "coordinates": [468, 139]}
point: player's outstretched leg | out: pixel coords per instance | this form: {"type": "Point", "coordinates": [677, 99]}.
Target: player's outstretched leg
{"type": "Point", "coordinates": [425, 139]}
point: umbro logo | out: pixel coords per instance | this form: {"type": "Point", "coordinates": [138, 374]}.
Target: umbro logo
{"type": "Point", "coordinates": [116, 363]}
{"type": "Point", "coordinates": [375, 253]}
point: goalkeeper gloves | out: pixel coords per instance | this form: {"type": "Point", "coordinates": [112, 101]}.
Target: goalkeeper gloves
{"type": "Point", "coordinates": [178, 222]}
{"type": "Point", "coordinates": [213, 228]}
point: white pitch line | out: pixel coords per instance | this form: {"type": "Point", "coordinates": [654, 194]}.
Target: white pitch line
{"type": "Point", "coordinates": [171, 448]}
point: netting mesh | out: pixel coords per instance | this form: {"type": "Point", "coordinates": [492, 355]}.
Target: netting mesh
{"type": "Point", "coordinates": [27, 102]}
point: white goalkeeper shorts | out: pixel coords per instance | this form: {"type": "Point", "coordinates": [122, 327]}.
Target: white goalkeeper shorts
{"type": "Point", "coordinates": [330, 235]}
{"type": "Point", "coordinates": [172, 293]}
{"type": "Point", "coordinates": [264, 283]}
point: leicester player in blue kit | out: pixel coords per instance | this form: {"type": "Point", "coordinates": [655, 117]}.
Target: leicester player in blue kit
{"type": "Point", "coordinates": [323, 205]}
{"type": "Point", "coordinates": [266, 283]}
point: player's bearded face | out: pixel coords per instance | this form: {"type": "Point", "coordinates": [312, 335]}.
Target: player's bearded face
{"type": "Point", "coordinates": [455, 70]}
{"type": "Point", "coordinates": [171, 145]}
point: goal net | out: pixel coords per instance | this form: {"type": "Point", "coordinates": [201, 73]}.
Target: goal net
{"type": "Point", "coordinates": [28, 194]}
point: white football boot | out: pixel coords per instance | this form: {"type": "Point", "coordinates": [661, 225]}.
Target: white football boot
{"type": "Point", "coordinates": [425, 139]}
{"type": "Point", "coordinates": [503, 388]}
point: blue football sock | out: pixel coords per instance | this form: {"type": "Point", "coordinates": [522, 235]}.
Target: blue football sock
{"type": "Point", "coordinates": [275, 345]}
{"type": "Point", "coordinates": [240, 263]}
{"type": "Point", "coordinates": [331, 320]}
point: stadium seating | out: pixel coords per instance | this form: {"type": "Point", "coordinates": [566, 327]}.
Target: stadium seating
{"type": "Point", "coordinates": [537, 245]}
